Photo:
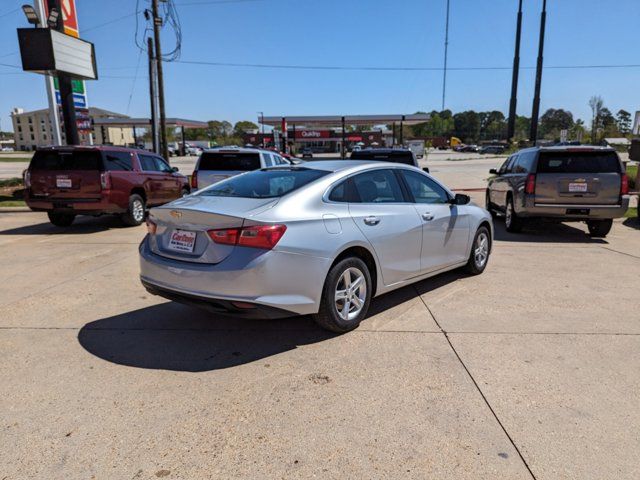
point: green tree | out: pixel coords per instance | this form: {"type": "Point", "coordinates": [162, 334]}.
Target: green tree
{"type": "Point", "coordinates": [242, 127]}
{"type": "Point", "coordinates": [554, 120]}
{"type": "Point", "coordinates": [623, 121]}
{"type": "Point", "coordinates": [467, 126]}
{"type": "Point", "coordinates": [220, 129]}
{"type": "Point", "coordinates": [596, 103]}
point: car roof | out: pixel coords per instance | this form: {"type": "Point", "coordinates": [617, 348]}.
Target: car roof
{"type": "Point", "coordinates": [238, 150]}
{"type": "Point", "coordinates": [385, 150]}
{"type": "Point", "coordinates": [569, 148]}
{"type": "Point", "coordinates": [335, 166]}
{"type": "Point", "coordinates": [66, 148]}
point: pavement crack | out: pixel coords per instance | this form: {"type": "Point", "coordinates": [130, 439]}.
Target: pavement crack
{"type": "Point", "coordinates": [621, 253]}
{"type": "Point", "coordinates": [486, 401]}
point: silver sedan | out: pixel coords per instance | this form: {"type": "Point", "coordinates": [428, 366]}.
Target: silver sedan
{"type": "Point", "coordinates": [320, 239]}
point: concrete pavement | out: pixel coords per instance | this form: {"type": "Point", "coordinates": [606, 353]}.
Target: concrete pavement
{"type": "Point", "coordinates": [530, 370]}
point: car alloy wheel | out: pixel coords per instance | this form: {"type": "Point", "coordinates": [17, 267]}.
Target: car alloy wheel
{"type": "Point", "coordinates": [350, 294]}
{"type": "Point", "coordinates": [508, 217]}
{"type": "Point", "coordinates": [481, 250]}
{"type": "Point", "coordinates": [138, 211]}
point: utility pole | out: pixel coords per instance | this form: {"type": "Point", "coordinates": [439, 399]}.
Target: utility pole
{"type": "Point", "coordinates": [535, 112]}
{"type": "Point", "coordinates": [157, 23]}
{"type": "Point", "coordinates": [446, 52]}
{"type": "Point", "coordinates": [66, 89]}
{"type": "Point", "coordinates": [152, 95]}
{"type": "Point", "coordinates": [511, 129]}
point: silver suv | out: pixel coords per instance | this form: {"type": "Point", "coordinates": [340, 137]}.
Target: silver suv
{"type": "Point", "coordinates": [560, 183]}
{"type": "Point", "coordinates": [217, 164]}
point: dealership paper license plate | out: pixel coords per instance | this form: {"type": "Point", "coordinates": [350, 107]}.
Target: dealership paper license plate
{"type": "Point", "coordinates": [62, 182]}
{"type": "Point", "coordinates": [577, 187]}
{"type": "Point", "coordinates": [182, 241]}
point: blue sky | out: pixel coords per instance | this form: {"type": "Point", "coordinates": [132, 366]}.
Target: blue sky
{"type": "Point", "coordinates": [356, 33]}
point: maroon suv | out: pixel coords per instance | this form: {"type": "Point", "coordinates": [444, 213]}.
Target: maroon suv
{"type": "Point", "coordinates": [70, 181]}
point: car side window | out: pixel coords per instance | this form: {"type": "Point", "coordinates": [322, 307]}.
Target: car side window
{"type": "Point", "coordinates": [507, 167]}
{"type": "Point", "coordinates": [423, 189]}
{"type": "Point", "coordinates": [117, 161]}
{"type": "Point", "coordinates": [161, 165]}
{"type": "Point", "coordinates": [378, 186]}
{"type": "Point", "coordinates": [268, 161]}
{"type": "Point", "coordinates": [148, 163]}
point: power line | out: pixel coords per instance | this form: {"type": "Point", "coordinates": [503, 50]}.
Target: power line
{"type": "Point", "coordinates": [393, 69]}
{"type": "Point", "coordinates": [10, 12]}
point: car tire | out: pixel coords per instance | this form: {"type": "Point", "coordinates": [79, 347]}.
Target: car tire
{"type": "Point", "coordinates": [489, 205]}
{"type": "Point", "coordinates": [330, 315]}
{"type": "Point", "coordinates": [599, 228]}
{"type": "Point", "coordinates": [136, 211]}
{"type": "Point", "coordinates": [512, 222]}
{"type": "Point", "coordinates": [480, 251]}
{"type": "Point", "coordinates": [61, 219]}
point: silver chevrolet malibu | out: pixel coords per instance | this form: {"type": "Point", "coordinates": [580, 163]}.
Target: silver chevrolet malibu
{"type": "Point", "coordinates": [320, 239]}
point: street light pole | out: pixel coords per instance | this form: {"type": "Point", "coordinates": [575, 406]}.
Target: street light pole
{"type": "Point", "coordinates": [514, 79]}
{"type": "Point", "coordinates": [535, 113]}
{"type": "Point", "coordinates": [446, 52]}
{"type": "Point", "coordinates": [262, 127]}
{"type": "Point", "coordinates": [157, 23]}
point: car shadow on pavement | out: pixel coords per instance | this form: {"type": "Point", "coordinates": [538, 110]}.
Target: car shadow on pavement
{"type": "Point", "coordinates": [632, 223]}
{"type": "Point", "coordinates": [544, 232]}
{"type": "Point", "coordinates": [172, 336]}
{"type": "Point", "coordinates": [82, 225]}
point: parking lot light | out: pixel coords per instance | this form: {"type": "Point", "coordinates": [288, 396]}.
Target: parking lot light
{"type": "Point", "coordinates": [30, 13]}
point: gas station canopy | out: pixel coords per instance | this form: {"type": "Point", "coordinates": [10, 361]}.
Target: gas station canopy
{"type": "Point", "coordinates": [328, 120]}
{"type": "Point", "coordinates": [146, 123]}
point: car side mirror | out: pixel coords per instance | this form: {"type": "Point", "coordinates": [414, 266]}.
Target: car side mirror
{"type": "Point", "coordinates": [460, 199]}
{"type": "Point", "coordinates": [425, 169]}
{"type": "Point", "coordinates": [174, 169]}
{"type": "Point", "coordinates": [493, 171]}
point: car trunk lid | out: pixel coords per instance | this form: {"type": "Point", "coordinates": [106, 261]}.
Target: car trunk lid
{"type": "Point", "coordinates": [578, 177]}
{"type": "Point", "coordinates": [182, 226]}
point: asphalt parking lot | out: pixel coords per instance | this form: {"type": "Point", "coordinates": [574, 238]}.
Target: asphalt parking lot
{"type": "Point", "coordinates": [531, 370]}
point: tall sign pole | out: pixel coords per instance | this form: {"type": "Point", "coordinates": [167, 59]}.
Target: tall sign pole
{"type": "Point", "coordinates": [157, 23]}
{"type": "Point", "coordinates": [152, 95]}
{"type": "Point", "coordinates": [66, 89]}
{"type": "Point", "coordinates": [511, 128]}
{"type": "Point", "coordinates": [446, 52]}
{"type": "Point", "coordinates": [535, 112]}
{"type": "Point", "coordinates": [54, 118]}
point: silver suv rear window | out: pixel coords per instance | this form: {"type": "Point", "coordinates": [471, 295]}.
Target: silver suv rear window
{"type": "Point", "coordinates": [229, 161]}
{"type": "Point", "coordinates": [578, 162]}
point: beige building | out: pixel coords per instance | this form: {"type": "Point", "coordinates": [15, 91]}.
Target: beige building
{"type": "Point", "coordinates": [33, 129]}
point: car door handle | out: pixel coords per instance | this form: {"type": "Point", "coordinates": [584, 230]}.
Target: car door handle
{"type": "Point", "coordinates": [427, 216]}
{"type": "Point", "coordinates": [372, 220]}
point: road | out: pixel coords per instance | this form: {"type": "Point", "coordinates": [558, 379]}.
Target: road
{"type": "Point", "coordinates": [531, 370]}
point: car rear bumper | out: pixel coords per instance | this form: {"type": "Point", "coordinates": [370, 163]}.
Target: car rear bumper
{"type": "Point", "coordinates": [575, 211]}
{"type": "Point", "coordinates": [277, 283]}
{"type": "Point", "coordinates": [86, 206]}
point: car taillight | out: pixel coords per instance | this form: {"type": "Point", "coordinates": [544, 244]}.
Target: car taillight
{"type": "Point", "coordinates": [194, 181]}
{"type": "Point", "coordinates": [624, 184]}
{"type": "Point", "coordinates": [259, 236]}
{"type": "Point", "coordinates": [105, 180]}
{"type": "Point", "coordinates": [151, 227]}
{"type": "Point", "coordinates": [227, 236]}
{"type": "Point", "coordinates": [530, 187]}
{"type": "Point", "coordinates": [27, 179]}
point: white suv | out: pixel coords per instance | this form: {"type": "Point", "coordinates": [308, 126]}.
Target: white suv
{"type": "Point", "coordinates": [217, 164]}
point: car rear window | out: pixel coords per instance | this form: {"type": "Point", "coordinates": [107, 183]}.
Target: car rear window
{"type": "Point", "coordinates": [229, 161]}
{"type": "Point", "coordinates": [264, 183]}
{"type": "Point", "coordinates": [70, 160]}
{"type": "Point", "coordinates": [401, 156]}
{"type": "Point", "coordinates": [578, 162]}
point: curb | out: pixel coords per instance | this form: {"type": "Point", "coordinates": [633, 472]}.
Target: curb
{"type": "Point", "coordinates": [14, 209]}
